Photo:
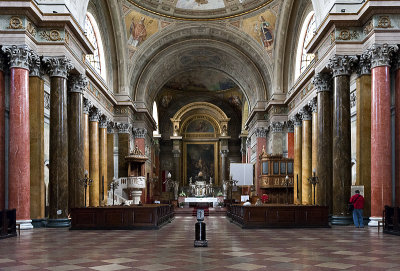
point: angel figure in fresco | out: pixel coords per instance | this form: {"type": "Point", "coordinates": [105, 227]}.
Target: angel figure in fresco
{"type": "Point", "coordinates": [263, 30]}
{"type": "Point", "coordinates": [137, 32]}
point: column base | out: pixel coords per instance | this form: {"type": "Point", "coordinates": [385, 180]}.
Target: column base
{"type": "Point", "coordinates": [373, 221]}
{"type": "Point", "coordinates": [58, 223]}
{"type": "Point", "coordinates": [25, 224]}
{"type": "Point", "coordinates": [342, 220]}
{"type": "Point", "coordinates": [39, 222]}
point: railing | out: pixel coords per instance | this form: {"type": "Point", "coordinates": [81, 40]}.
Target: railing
{"type": "Point", "coordinates": [125, 183]}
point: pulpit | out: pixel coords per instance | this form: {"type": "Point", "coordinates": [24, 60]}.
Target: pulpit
{"type": "Point", "coordinates": [136, 181]}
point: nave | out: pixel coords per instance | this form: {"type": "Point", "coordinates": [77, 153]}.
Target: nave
{"type": "Point", "coordinates": [230, 248]}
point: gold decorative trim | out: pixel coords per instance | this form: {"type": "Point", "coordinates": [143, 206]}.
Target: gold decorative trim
{"type": "Point", "coordinates": [200, 19]}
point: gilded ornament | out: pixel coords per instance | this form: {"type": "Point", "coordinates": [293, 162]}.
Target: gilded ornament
{"type": "Point", "coordinates": [52, 35]}
{"type": "Point", "coordinates": [31, 29]}
{"type": "Point", "coordinates": [384, 22]}
{"type": "Point", "coordinates": [347, 35]}
{"type": "Point", "coordinates": [15, 23]}
{"type": "Point", "coordinates": [368, 27]}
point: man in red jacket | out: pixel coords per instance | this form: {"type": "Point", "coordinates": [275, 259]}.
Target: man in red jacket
{"type": "Point", "coordinates": [358, 202]}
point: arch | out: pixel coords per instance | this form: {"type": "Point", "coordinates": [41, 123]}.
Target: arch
{"type": "Point", "coordinates": [241, 57]}
{"type": "Point", "coordinates": [97, 60]}
{"type": "Point", "coordinates": [302, 58]}
{"type": "Point", "coordinates": [215, 115]}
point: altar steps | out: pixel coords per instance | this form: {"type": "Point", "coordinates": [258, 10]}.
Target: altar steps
{"type": "Point", "coordinates": [192, 212]}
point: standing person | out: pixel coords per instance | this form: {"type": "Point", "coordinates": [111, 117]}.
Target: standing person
{"type": "Point", "coordinates": [358, 201]}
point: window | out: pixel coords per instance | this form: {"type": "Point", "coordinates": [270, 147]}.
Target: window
{"type": "Point", "coordinates": [155, 117]}
{"type": "Point", "coordinates": [307, 32]}
{"type": "Point", "coordinates": [92, 33]}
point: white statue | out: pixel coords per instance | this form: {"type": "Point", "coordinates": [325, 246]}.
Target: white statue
{"type": "Point", "coordinates": [224, 188]}
{"type": "Point", "coordinates": [176, 189]}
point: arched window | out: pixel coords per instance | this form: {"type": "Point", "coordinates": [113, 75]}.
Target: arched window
{"type": "Point", "coordinates": [155, 117]}
{"type": "Point", "coordinates": [307, 32]}
{"type": "Point", "coordinates": [92, 33]}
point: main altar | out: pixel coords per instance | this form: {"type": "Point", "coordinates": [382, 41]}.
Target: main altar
{"type": "Point", "coordinates": [201, 188]}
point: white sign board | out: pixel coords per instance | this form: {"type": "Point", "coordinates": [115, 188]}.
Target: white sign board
{"type": "Point", "coordinates": [243, 173]}
{"type": "Point", "coordinates": [244, 198]}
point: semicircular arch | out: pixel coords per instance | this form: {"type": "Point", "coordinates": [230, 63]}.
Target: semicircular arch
{"type": "Point", "coordinates": [248, 55]}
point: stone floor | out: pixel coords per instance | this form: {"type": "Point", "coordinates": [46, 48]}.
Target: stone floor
{"type": "Point", "coordinates": [230, 248]}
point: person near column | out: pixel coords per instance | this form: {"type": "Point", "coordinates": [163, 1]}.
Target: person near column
{"type": "Point", "coordinates": [358, 201]}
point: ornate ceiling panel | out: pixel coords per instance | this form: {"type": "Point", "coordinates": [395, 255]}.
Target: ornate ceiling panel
{"type": "Point", "coordinates": [200, 9]}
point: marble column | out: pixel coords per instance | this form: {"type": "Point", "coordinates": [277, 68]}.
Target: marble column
{"type": "Point", "coordinates": [297, 159]}
{"type": "Point", "coordinates": [322, 82]}
{"type": "Point", "coordinates": [103, 160]}
{"type": "Point", "coordinates": [224, 166]}
{"type": "Point", "coordinates": [363, 130]}
{"type": "Point", "coordinates": [397, 128]}
{"type": "Point", "coordinates": [19, 143]}
{"type": "Point", "coordinates": [314, 142]}
{"type": "Point", "coordinates": [261, 136]}
{"type": "Point", "coordinates": [110, 153]}
{"type": "Point", "coordinates": [381, 145]}
{"type": "Point", "coordinates": [36, 120]}
{"type": "Point", "coordinates": [341, 67]}
{"type": "Point", "coordinates": [139, 135]}
{"type": "Point", "coordinates": [58, 181]}
{"type": "Point", "coordinates": [124, 131]}
{"type": "Point", "coordinates": [290, 139]}
{"type": "Point", "coordinates": [2, 130]}
{"type": "Point", "coordinates": [276, 129]}
{"type": "Point", "coordinates": [94, 162]}
{"type": "Point", "coordinates": [243, 139]}
{"type": "Point", "coordinates": [176, 152]}
{"type": "Point", "coordinates": [86, 108]}
{"type": "Point", "coordinates": [76, 155]}
{"type": "Point", "coordinates": [306, 170]}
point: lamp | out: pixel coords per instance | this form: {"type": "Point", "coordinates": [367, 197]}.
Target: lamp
{"type": "Point", "coordinates": [287, 188]}
{"type": "Point", "coordinates": [113, 185]}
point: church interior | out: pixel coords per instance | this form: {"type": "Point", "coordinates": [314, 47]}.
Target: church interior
{"type": "Point", "coordinates": [123, 120]}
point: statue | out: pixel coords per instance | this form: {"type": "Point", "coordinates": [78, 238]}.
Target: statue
{"type": "Point", "coordinates": [224, 188]}
{"type": "Point", "coordinates": [176, 189]}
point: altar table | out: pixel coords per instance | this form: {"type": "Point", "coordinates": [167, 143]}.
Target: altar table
{"type": "Point", "coordinates": [208, 200]}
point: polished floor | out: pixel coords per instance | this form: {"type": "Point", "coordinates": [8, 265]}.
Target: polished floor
{"type": "Point", "coordinates": [230, 248]}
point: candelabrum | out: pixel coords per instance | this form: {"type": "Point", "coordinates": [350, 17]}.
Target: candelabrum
{"type": "Point", "coordinates": [112, 186]}
{"type": "Point", "coordinates": [287, 179]}
{"type": "Point", "coordinates": [86, 181]}
{"type": "Point", "coordinates": [313, 180]}
{"type": "Point", "coordinates": [231, 183]}
{"type": "Point", "coordinates": [169, 182]}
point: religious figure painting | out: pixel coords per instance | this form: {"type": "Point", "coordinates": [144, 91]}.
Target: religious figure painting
{"type": "Point", "coordinates": [200, 4]}
{"type": "Point", "coordinates": [200, 158]}
{"type": "Point", "coordinates": [139, 28]}
{"type": "Point", "coordinates": [261, 28]}
{"type": "Point", "coordinates": [200, 126]}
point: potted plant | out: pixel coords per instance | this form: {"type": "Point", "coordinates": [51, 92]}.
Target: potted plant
{"type": "Point", "coordinates": [181, 198]}
{"type": "Point", "coordinates": [264, 198]}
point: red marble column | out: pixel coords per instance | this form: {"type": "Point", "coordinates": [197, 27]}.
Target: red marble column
{"type": "Point", "coordinates": [2, 134]}
{"type": "Point", "coordinates": [397, 132]}
{"type": "Point", "coordinates": [261, 134]}
{"type": "Point", "coordinates": [381, 148]}
{"type": "Point", "coordinates": [290, 139]}
{"type": "Point", "coordinates": [19, 144]}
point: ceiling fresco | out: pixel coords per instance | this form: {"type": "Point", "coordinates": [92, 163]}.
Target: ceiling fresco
{"type": "Point", "coordinates": [201, 80]}
{"type": "Point", "coordinates": [200, 9]}
{"type": "Point", "coordinates": [141, 24]}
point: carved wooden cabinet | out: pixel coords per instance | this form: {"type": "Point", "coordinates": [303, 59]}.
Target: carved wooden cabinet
{"type": "Point", "coordinates": [273, 181]}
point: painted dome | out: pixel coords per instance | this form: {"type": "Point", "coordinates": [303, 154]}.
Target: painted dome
{"type": "Point", "coordinates": [200, 9]}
